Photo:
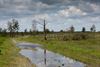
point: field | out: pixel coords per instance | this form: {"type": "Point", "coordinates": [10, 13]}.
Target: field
{"type": "Point", "coordinates": [86, 51]}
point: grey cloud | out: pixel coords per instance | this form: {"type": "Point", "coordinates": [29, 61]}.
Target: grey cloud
{"type": "Point", "coordinates": [20, 7]}
{"type": "Point", "coordinates": [67, 1]}
{"type": "Point", "coordinates": [29, 7]}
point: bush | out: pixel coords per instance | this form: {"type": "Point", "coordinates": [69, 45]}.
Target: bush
{"type": "Point", "coordinates": [80, 36]}
{"type": "Point", "coordinates": [77, 36]}
{"type": "Point", "coordinates": [65, 38]}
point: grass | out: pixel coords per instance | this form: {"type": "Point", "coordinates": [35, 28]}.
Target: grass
{"type": "Point", "coordinates": [8, 51]}
{"type": "Point", "coordinates": [9, 55]}
{"type": "Point", "coordinates": [86, 51]}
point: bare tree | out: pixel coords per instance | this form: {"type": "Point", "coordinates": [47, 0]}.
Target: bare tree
{"type": "Point", "coordinates": [34, 24]}
{"type": "Point", "coordinates": [93, 28]}
{"type": "Point", "coordinates": [44, 27]}
{"type": "Point", "coordinates": [45, 34]}
{"type": "Point", "coordinates": [72, 29]}
{"type": "Point", "coordinates": [30, 32]}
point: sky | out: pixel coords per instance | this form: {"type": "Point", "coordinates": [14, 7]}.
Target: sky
{"type": "Point", "coordinates": [59, 14]}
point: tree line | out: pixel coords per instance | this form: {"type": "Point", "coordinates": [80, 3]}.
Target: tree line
{"type": "Point", "coordinates": [13, 29]}
{"type": "Point", "coordinates": [72, 29]}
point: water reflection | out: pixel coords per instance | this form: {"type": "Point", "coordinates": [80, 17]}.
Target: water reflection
{"type": "Point", "coordinates": [52, 59]}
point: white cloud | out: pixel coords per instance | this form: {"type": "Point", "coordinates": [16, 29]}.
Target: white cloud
{"type": "Point", "coordinates": [71, 11]}
{"type": "Point", "coordinates": [42, 5]}
{"type": "Point", "coordinates": [39, 18]}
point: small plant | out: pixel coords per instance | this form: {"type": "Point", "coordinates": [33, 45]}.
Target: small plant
{"type": "Point", "coordinates": [0, 52]}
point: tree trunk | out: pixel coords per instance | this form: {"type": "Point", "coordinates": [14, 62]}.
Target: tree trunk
{"type": "Point", "coordinates": [45, 35]}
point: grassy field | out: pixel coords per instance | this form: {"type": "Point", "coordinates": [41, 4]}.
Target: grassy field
{"type": "Point", "coordinates": [9, 55]}
{"type": "Point", "coordinates": [86, 51]}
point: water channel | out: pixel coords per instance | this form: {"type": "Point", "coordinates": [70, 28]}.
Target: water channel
{"type": "Point", "coordinates": [45, 58]}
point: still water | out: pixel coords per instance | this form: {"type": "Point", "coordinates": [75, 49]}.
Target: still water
{"type": "Point", "coordinates": [38, 56]}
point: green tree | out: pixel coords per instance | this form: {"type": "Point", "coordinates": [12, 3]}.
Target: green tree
{"type": "Point", "coordinates": [0, 30]}
{"type": "Point", "coordinates": [13, 26]}
{"type": "Point", "coordinates": [10, 28]}
{"type": "Point", "coordinates": [61, 31]}
{"type": "Point", "coordinates": [83, 29]}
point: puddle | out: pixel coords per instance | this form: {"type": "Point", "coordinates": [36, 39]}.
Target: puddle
{"type": "Point", "coordinates": [52, 59]}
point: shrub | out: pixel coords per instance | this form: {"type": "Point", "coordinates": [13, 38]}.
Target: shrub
{"type": "Point", "coordinates": [65, 38]}
{"type": "Point", "coordinates": [77, 36]}
{"type": "Point", "coordinates": [0, 52]}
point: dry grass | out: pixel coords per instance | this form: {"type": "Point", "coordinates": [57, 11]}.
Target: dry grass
{"type": "Point", "coordinates": [21, 61]}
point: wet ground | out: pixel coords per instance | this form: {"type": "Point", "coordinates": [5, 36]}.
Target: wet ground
{"type": "Point", "coordinates": [43, 58]}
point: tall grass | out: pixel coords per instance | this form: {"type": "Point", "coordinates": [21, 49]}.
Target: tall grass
{"type": "Point", "coordinates": [8, 51]}
{"type": "Point", "coordinates": [9, 55]}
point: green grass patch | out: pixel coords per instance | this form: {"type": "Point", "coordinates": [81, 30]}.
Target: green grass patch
{"type": "Point", "coordinates": [8, 51]}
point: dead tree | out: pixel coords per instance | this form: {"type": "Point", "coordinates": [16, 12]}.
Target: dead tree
{"type": "Point", "coordinates": [45, 34]}
{"type": "Point", "coordinates": [44, 28]}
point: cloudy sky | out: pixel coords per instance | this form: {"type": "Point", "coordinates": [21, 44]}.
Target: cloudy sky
{"type": "Point", "coordinates": [59, 14]}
